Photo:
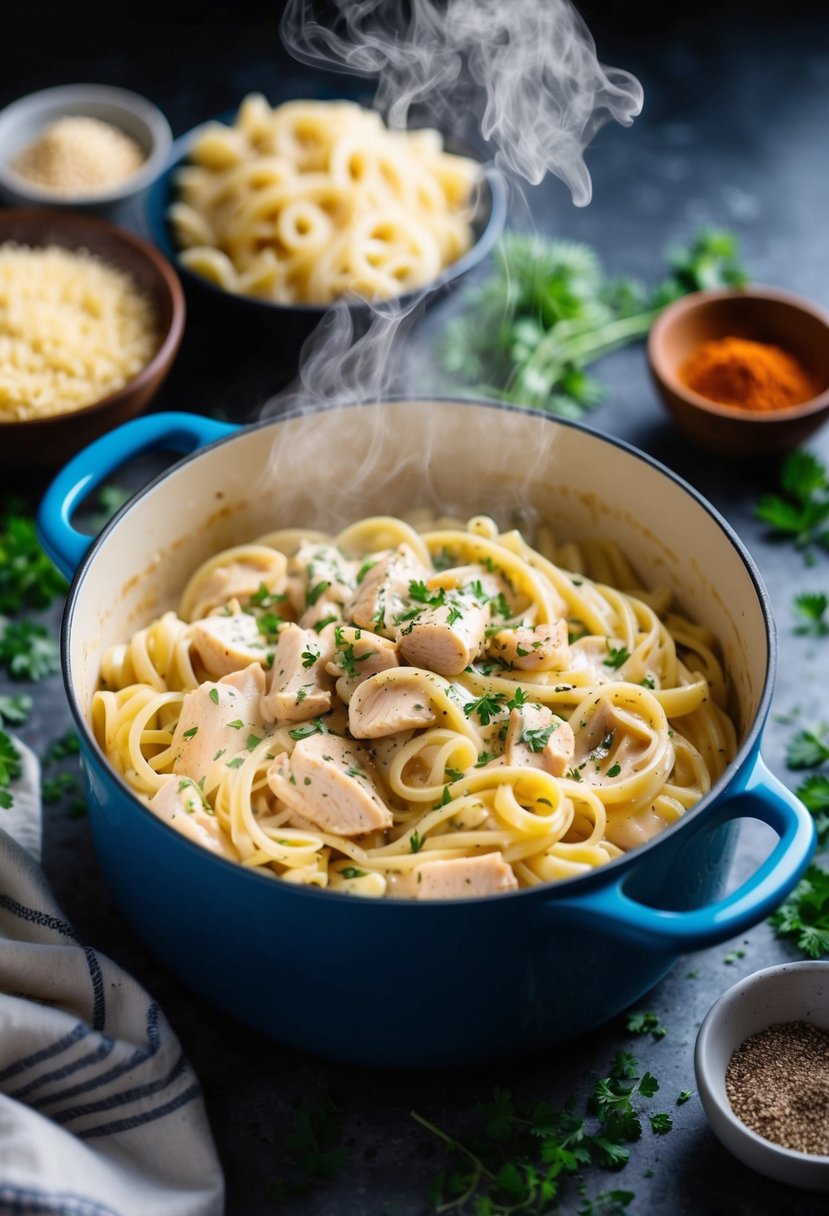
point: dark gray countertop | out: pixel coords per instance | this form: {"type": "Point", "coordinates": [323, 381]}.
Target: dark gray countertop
{"type": "Point", "coordinates": [733, 134]}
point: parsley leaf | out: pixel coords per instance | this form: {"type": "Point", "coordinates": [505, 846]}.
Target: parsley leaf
{"type": "Point", "coordinates": [811, 609]}
{"type": "Point", "coordinates": [803, 918]}
{"type": "Point", "coordinates": [814, 794]}
{"type": "Point", "coordinates": [28, 579]}
{"type": "Point", "coordinates": [801, 513]}
{"type": "Point", "coordinates": [26, 650]}
{"type": "Point", "coordinates": [645, 1022]}
{"type": "Point", "coordinates": [486, 706]}
{"type": "Point", "coordinates": [809, 748]}
{"type": "Point", "coordinates": [616, 656]}
{"type": "Point", "coordinates": [15, 709]}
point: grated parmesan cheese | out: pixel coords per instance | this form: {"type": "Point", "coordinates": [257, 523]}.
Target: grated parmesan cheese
{"type": "Point", "coordinates": [73, 329]}
{"type": "Point", "coordinates": [77, 156]}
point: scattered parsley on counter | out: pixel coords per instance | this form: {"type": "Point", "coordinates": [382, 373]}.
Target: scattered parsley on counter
{"type": "Point", "coordinates": [645, 1022]}
{"type": "Point", "coordinates": [27, 650]}
{"type": "Point", "coordinates": [801, 513]}
{"type": "Point", "coordinates": [804, 917]}
{"type": "Point", "coordinates": [315, 1141]}
{"type": "Point", "coordinates": [28, 579]}
{"type": "Point", "coordinates": [550, 310]}
{"type": "Point", "coordinates": [520, 1159]}
{"type": "Point", "coordinates": [15, 709]}
{"type": "Point", "coordinates": [809, 748]}
{"type": "Point", "coordinates": [811, 609]}
{"type": "Point", "coordinates": [10, 769]}
{"type": "Point", "coordinates": [814, 794]}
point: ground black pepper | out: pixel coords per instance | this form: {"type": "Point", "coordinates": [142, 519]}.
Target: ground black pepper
{"type": "Point", "coordinates": [777, 1082]}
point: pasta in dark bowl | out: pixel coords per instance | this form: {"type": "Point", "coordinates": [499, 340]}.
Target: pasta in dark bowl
{"type": "Point", "coordinates": [281, 211]}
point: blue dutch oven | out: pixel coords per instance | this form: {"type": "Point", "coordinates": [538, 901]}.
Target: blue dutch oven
{"type": "Point", "coordinates": [387, 982]}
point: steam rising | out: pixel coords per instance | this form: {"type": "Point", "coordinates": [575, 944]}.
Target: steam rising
{"type": "Point", "coordinates": [522, 72]}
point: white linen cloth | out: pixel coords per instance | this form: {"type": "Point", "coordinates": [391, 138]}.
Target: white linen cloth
{"type": "Point", "coordinates": [100, 1113]}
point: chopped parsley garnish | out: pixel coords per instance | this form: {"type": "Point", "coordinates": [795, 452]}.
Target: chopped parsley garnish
{"type": "Point", "coordinates": [486, 706]}
{"type": "Point", "coordinates": [648, 681]}
{"type": "Point", "coordinates": [252, 742]}
{"type": "Point", "coordinates": [616, 656]}
{"type": "Point", "coordinates": [316, 591]}
{"type": "Point", "coordinates": [191, 733]}
{"type": "Point", "coordinates": [518, 699]}
{"type": "Point", "coordinates": [538, 738]}
{"type": "Point", "coordinates": [237, 724]}
{"type": "Point", "coordinates": [353, 872]}
{"type": "Point", "coordinates": [364, 569]}
{"type": "Point", "coordinates": [614, 770]}
{"type": "Point", "coordinates": [421, 594]}
{"type": "Point", "coordinates": [309, 728]}
{"type": "Point", "coordinates": [415, 841]}
{"type": "Point", "coordinates": [309, 658]}
{"type": "Point", "coordinates": [236, 762]}
{"type": "Point", "coordinates": [214, 695]}
{"type": "Point", "coordinates": [484, 758]}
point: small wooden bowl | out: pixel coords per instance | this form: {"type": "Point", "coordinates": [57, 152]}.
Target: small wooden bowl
{"type": "Point", "coordinates": [47, 442]}
{"type": "Point", "coordinates": [763, 314]}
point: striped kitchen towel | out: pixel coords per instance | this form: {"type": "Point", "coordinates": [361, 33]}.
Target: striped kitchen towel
{"type": "Point", "coordinates": [100, 1113]}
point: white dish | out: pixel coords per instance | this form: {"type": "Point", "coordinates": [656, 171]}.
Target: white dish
{"type": "Point", "coordinates": [792, 992]}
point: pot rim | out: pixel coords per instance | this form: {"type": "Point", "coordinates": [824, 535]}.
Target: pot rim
{"type": "Point", "coordinates": [564, 888]}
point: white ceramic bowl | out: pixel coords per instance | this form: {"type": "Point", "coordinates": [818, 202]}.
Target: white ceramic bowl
{"type": "Point", "coordinates": [23, 120]}
{"type": "Point", "coordinates": [793, 992]}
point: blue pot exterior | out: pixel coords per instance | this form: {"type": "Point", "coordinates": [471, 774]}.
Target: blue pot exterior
{"type": "Point", "coordinates": [397, 983]}
{"type": "Point", "coordinates": [402, 985]}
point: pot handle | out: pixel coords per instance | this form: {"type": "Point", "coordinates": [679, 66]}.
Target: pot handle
{"type": "Point", "coordinates": [763, 797]}
{"type": "Point", "coordinates": [178, 432]}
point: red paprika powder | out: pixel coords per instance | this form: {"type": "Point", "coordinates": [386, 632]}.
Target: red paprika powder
{"type": "Point", "coordinates": [747, 374]}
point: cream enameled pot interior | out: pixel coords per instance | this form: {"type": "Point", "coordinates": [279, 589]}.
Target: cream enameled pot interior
{"type": "Point", "coordinates": [326, 469]}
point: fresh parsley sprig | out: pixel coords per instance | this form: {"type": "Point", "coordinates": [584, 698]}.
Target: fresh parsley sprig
{"type": "Point", "coordinates": [814, 794]}
{"type": "Point", "coordinates": [549, 311]}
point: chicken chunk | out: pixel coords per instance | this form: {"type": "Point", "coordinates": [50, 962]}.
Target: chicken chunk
{"type": "Point", "coordinates": [217, 720]}
{"type": "Point", "coordinates": [445, 637]}
{"type": "Point", "coordinates": [228, 643]}
{"type": "Point", "coordinates": [235, 574]}
{"type": "Point", "coordinates": [384, 592]}
{"type": "Point", "coordinates": [330, 783]}
{"type": "Point", "coordinates": [322, 579]}
{"type": "Point", "coordinates": [462, 878]}
{"type": "Point", "coordinates": [299, 686]}
{"type": "Point", "coordinates": [536, 738]}
{"type": "Point", "coordinates": [384, 706]}
{"type": "Point", "coordinates": [179, 802]}
{"type": "Point", "coordinates": [358, 654]}
{"type": "Point", "coordinates": [540, 648]}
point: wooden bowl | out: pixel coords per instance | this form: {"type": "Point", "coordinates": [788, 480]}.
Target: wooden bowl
{"type": "Point", "coordinates": [45, 442]}
{"type": "Point", "coordinates": [763, 314]}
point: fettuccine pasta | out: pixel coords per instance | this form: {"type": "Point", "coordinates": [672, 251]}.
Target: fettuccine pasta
{"type": "Point", "coordinates": [436, 713]}
{"type": "Point", "coordinates": [313, 200]}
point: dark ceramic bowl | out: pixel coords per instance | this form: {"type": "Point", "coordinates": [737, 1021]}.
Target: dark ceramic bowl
{"type": "Point", "coordinates": [49, 441]}
{"type": "Point", "coordinates": [763, 314]}
{"type": "Point", "coordinates": [286, 326]}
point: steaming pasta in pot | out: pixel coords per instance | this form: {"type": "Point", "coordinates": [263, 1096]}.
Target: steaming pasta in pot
{"type": "Point", "coordinates": [426, 714]}
{"type": "Point", "coordinates": [316, 199]}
